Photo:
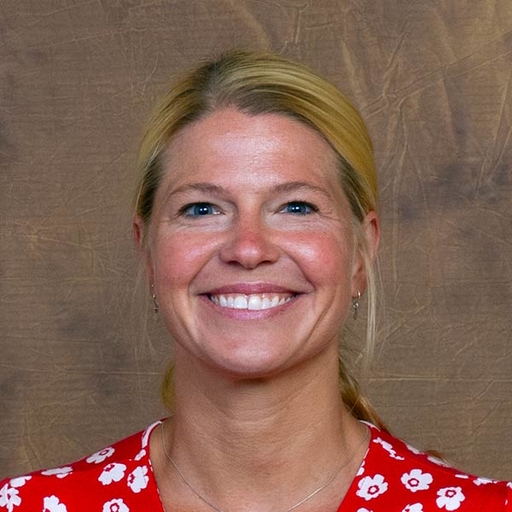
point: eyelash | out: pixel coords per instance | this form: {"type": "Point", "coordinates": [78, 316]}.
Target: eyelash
{"type": "Point", "coordinates": [310, 207]}
{"type": "Point", "coordinates": [186, 210]}
{"type": "Point", "coordinates": [190, 210]}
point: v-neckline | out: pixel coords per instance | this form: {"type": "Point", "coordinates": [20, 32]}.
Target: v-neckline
{"type": "Point", "coordinates": [343, 507]}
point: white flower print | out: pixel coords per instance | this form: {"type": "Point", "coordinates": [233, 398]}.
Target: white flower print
{"type": "Point", "coordinates": [371, 487]}
{"type": "Point", "coordinates": [53, 504]}
{"type": "Point", "coordinates": [113, 472]}
{"type": "Point", "coordinates": [360, 471]}
{"type": "Point", "coordinates": [388, 448]}
{"type": "Point", "coordinates": [363, 510]}
{"type": "Point", "coordinates": [462, 476]}
{"type": "Point", "coordinates": [9, 494]}
{"type": "Point", "coordinates": [140, 455]}
{"type": "Point", "coordinates": [414, 450]}
{"type": "Point", "coordinates": [9, 497]}
{"type": "Point", "coordinates": [437, 461]}
{"type": "Point", "coordinates": [450, 498]}
{"type": "Point", "coordinates": [20, 481]}
{"type": "Point", "coordinates": [58, 472]}
{"type": "Point", "coordinates": [415, 507]}
{"type": "Point", "coordinates": [509, 485]}
{"type": "Point", "coordinates": [117, 505]}
{"type": "Point", "coordinates": [138, 479]}
{"type": "Point", "coordinates": [416, 480]}
{"type": "Point", "coordinates": [482, 481]}
{"type": "Point", "coordinates": [100, 456]}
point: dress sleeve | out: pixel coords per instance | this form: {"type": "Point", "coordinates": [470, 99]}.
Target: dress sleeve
{"type": "Point", "coordinates": [508, 502]}
{"type": "Point", "coordinates": [13, 496]}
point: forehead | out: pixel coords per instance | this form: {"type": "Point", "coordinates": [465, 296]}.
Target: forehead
{"type": "Point", "coordinates": [229, 146]}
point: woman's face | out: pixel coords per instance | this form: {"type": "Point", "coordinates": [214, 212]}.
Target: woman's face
{"type": "Point", "coordinates": [252, 252]}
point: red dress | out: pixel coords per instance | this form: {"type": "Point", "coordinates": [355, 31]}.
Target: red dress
{"type": "Point", "coordinates": [393, 477]}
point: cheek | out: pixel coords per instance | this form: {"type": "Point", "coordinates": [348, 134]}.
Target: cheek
{"type": "Point", "coordinates": [324, 258]}
{"type": "Point", "coordinates": [179, 257]}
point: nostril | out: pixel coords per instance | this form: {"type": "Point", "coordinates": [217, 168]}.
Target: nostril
{"type": "Point", "coordinates": [249, 249]}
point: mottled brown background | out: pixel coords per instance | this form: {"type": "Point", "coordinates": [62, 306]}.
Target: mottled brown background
{"type": "Point", "coordinates": [78, 367]}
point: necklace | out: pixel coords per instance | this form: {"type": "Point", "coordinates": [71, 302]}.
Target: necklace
{"type": "Point", "coordinates": [303, 500]}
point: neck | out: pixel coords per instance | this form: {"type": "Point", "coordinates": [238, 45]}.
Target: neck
{"type": "Point", "coordinates": [274, 440]}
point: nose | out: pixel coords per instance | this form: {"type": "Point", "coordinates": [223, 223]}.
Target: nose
{"type": "Point", "coordinates": [250, 243]}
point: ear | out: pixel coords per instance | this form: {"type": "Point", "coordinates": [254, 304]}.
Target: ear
{"type": "Point", "coordinates": [138, 231]}
{"type": "Point", "coordinates": [139, 236]}
{"type": "Point", "coordinates": [371, 232]}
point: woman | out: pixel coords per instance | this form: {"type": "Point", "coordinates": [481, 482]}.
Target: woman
{"type": "Point", "coordinates": [256, 218]}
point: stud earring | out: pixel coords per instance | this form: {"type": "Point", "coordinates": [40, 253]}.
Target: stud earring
{"type": "Point", "coordinates": [355, 305]}
{"type": "Point", "coordinates": [153, 296]}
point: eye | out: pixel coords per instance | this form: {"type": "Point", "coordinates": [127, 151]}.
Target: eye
{"type": "Point", "coordinates": [199, 210]}
{"type": "Point", "coordinates": [299, 208]}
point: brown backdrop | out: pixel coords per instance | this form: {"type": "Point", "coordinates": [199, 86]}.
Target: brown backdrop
{"type": "Point", "coordinates": [78, 367]}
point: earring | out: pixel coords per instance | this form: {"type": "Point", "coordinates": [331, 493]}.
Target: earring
{"type": "Point", "coordinates": [355, 305]}
{"type": "Point", "coordinates": [153, 296]}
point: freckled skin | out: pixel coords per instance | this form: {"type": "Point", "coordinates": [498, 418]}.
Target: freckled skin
{"type": "Point", "coordinates": [249, 168]}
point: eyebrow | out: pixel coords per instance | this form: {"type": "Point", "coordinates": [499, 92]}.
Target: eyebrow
{"type": "Point", "coordinates": [295, 186]}
{"type": "Point", "coordinates": [282, 188]}
{"type": "Point", "coordinates": [208, 188]}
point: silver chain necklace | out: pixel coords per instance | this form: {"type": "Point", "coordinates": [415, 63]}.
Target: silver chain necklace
{"type": "Point", "coordinates": [307, 498]}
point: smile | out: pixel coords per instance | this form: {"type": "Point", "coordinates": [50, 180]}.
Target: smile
{"type": "Point", "coordinates": [255, 302]}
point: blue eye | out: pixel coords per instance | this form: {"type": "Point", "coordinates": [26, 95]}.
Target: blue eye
{"type": "Point", "coordinates": [199, 210]}
{"type": "Point", "coordinates": [299, 208]}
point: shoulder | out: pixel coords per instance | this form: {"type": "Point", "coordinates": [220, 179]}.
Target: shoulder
{"type": "Point", "coordinates": [102, 478]}
{"type": "Point", "coordinates": [396, 473]}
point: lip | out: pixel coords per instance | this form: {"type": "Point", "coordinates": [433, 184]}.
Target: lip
{"type": "Point", "coordinates": [247, 289]}
{"type": "Point", "coordinates": [255, 302]}
{"type": "Point", "coordinates": [251, 289]}
{"type": "Point", "coordinates": [247, 314]}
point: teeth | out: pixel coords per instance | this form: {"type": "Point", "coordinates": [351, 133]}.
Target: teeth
{"type": "Point", "coordinates": [240, 302]}
{"type": "Point", "coordinates": [255, 302]}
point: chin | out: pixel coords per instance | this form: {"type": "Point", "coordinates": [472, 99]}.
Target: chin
{"type": "Point", "coordinates": [259, 365]}
{"type": "Point", "coordinates": [250, 366]}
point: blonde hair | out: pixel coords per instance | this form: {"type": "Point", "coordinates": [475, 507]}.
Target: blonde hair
{"type": "Point", "coordinates": [262, 83]}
